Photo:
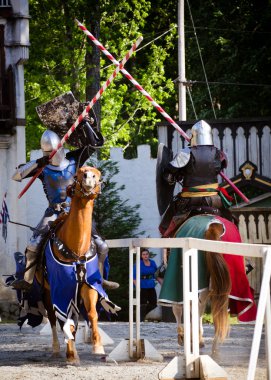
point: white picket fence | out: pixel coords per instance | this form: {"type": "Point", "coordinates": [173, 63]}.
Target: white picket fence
{"type": "Point", "coordinates": [190, 248]}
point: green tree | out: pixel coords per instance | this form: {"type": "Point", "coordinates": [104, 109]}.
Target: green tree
{"type": "Point", "coordinates": [65, 60]}
{"type": "Point", "coordinates": [233, 41]}
{"type": "Point", "coordinates": [116, 219]}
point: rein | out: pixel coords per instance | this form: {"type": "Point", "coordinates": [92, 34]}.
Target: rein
{"type": "Point", "coordinates": [81, 192]}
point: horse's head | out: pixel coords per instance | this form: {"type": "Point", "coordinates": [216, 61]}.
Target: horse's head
{"type": "Point", "coordinates": [87, 182]}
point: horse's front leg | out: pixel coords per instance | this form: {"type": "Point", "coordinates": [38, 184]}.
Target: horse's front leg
{"type": "Point", "coordinates": [90, 299]}
{"type": "Point", "coordinates": [178, 312]}
{"type": "Point", "coordinates": [71, 352]}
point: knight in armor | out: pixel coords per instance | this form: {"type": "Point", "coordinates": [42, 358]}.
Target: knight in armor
{"type": "Point", "coordinates": [57, 175]}
{"type": "Point", "coordinates": [196, 168]}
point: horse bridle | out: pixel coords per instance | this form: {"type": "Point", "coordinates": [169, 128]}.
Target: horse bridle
{"type": "Point", "coordinates": [81, 192]}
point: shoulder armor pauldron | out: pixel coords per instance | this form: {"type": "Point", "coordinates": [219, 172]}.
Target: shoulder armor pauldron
{"type": "Point", "coordinates": [182, 158]}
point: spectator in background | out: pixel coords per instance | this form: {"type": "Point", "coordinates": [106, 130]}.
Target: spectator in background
{"type": "Point", "coordinates": [148, 297]}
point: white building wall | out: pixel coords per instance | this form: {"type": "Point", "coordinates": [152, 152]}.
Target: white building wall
{"type": "Point", "coordinates": [12, 147]}
{"type": "Point", "coordinates": [138, 176]}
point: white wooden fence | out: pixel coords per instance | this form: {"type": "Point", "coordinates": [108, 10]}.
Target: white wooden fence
{"type": "Point", "coordinates": [192, 358]}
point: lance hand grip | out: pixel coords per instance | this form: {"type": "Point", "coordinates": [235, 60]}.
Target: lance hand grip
{"type": "Point", "coordinates": [40, 170]}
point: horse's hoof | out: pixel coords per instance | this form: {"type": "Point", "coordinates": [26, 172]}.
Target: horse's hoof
{"type": "Point", "coordinates": [98, 350]}
{"type": "Point", "coordinates": [180, 340]}
{"type": "Point", "coordinates": [73, 361]}
{"type": "Point", "coordinates": [180, 335]}
{"type": "Point", "coordinates": [56, 355]}
{"type": "Point", "coordinates": [201, 344]}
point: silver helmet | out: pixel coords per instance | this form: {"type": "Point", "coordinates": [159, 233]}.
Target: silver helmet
{"type": "Point", "coordinates": [201, 134]}
{"type": "Point", "coordinates": [49, 141]}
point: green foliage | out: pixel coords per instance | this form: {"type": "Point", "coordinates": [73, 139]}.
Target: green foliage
{"type": "Point", "coordinates": [233, 39]}
{"type": "Point", "coordinates": [235, 45]}
{"type": "Point", "coordinates": [207, 318]}
{"type": "Point", "coordinates": [116, 219]}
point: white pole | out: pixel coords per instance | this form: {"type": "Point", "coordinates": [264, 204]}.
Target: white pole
{"type": "Point", "coordinates": [195, 311]}
{"type": "Point", "coordinates": [262, 304]}
{"type": "Point", "coordinates": [268, 333]}
{"type": "Point", "coordinates": [138, 301]}
{"type": "Point", "coordinates": [191, 315]}
{"type": "Point", "coordinates": [131, 302]}
{"type": "Point", "coordinates": [181, 62]}
{"type": "Point", "coordinates": [186, 307]}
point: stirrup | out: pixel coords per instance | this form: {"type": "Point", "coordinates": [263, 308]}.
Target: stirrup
{"type": "Point", "coordinates": [21, 285]}
{"type": "Point", "coordinates": [110, 284]}
{"type": "Point", "coordinates": [109, 306]}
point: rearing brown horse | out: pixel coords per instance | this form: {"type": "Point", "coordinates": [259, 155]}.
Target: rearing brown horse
{"type": "Point", "coordinates": [70, 249]}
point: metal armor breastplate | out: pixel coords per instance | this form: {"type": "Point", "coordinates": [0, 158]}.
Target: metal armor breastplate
{"type": "Point", "coordinates": [203, 167]}
{"type": "Point", "coordinates": [55, 182]}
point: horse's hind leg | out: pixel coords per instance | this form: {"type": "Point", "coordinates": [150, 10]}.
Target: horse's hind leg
{"type": "Point", "coordinates": [90, 298]}
{"type": "Point", "coordinates": [71, 352]}
{"type": "Point", "coordinates": [52, 320]}
{"type": "Point", "coordinates": [220, 284]}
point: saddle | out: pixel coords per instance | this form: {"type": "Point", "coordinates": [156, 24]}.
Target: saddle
{"type": "Point", "coordinates": [182, 209]}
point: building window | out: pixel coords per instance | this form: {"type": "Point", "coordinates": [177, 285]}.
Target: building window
{"type": "Point", "coordinates": [5, 3]}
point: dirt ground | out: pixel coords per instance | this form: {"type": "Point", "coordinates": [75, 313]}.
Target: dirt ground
{"type": "Point", "coordinates": [25, 355]}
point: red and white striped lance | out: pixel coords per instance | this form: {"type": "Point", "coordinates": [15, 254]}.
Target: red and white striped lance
{"type": "Point", "coordinates": [235, 188]}
{"type": "Point", "coordinates": [131, 79]}
{"type": "Point", "coordinates": [86, 110]}
{"type": "Point", "coordinates": [147, 95]}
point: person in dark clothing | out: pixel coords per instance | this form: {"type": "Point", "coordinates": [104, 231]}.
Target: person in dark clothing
{"type": "Point", "coordinates": [148, 297]}
{"type": "Point", "coordinates": [196, 168]}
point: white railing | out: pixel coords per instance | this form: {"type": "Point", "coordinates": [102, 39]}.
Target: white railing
{"type": "Point", "coordinates": [190, 247]}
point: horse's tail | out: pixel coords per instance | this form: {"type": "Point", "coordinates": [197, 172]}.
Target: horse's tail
{"type": "Point", "coordinates": [220, 285]}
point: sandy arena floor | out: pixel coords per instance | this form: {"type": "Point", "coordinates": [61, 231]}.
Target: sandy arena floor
{"type": "Point", "coordinates": [25, 355]}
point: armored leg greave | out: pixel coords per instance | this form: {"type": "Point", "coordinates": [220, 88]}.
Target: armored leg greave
{"type": "Point", "coordinates": [31, 265]}
{"type": "Point", "coordinates": [102, 250]}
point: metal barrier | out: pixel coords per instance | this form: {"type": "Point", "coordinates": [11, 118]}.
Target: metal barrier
{"type": "Point", "coordinates": [190, 247]}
